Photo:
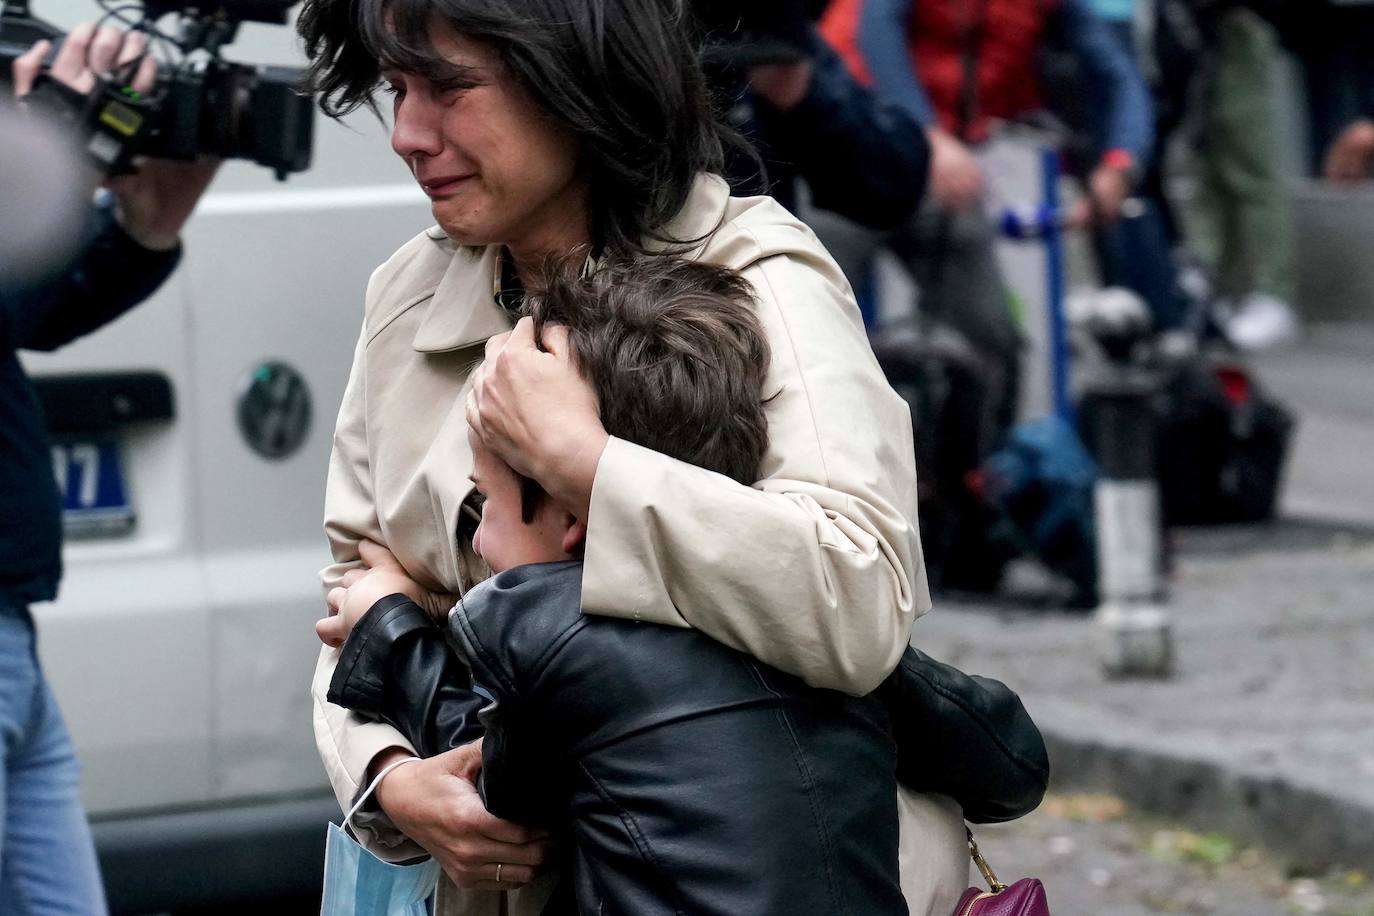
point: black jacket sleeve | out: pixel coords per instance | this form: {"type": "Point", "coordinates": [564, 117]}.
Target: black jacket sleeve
{"type": "Point", "coordinates": [862, 158]}
{"type": "Point", "coordinates": [966, 737]}
{"type": "Point", "coordinates": [397, 667]}
{"type": "Point", "coordinates": [111, 276]}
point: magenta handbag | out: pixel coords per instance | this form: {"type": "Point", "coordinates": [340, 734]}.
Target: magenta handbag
{"type": "Point", "coordinates": [1023, 898]}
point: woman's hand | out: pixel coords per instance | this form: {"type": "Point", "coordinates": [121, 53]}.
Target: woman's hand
{"type": "Point", "coordinates": [435, 803]}
{"type": "Point", "coordinates": [535, 411]}
{"type": "Point", "coordinates": [380, 575]}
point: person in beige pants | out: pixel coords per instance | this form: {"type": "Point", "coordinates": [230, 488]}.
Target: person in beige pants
{"type": "Point", "coordinates": [576, 126]}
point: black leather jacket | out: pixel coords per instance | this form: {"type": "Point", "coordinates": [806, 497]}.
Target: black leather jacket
{"type": "Point", "coordinates": [695, 779]}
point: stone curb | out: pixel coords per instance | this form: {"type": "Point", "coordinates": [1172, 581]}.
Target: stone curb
{"type": "Point", "coordinates": [1312, 830]}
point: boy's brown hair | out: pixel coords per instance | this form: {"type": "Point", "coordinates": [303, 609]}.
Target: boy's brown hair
{"type": "Point", "coordinates": [675, 354]}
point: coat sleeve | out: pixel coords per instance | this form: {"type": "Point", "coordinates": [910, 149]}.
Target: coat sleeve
{"type": "Point", "coordinates": [396, 667]}
{"type": "Point", "coordinates": [113, 274]}
{"type": "Point", "coordinates": [347, 742]}
{"type": "Point", "coordinates": [1129, 112]}
{"type": "Point", "coordinates": [883, 28]}
{"type": "Point", "coordinates": [816, 569]}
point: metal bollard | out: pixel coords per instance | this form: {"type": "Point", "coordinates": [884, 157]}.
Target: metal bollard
{"type": "Point", "coordinates": [1134, 632]}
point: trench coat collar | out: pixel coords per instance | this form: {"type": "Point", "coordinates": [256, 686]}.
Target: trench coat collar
{"type": "Point", "coordinates": [463, 310]}
{"type": "Point", "coordinates": [702, 215]}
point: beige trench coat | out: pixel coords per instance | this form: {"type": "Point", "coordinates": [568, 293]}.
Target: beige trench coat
{"type": "Point", "coordinates": [816, 569]}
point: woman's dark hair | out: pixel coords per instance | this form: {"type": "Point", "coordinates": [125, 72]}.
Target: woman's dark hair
{"type": "Point", "coordinates": [620, 75]}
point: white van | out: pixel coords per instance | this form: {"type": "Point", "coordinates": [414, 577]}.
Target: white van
{"type": "Point", "coordinates": [181, 646]}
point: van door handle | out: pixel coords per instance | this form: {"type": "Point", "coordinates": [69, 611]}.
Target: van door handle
{"type": "Point", "coordinates": [90, 402]}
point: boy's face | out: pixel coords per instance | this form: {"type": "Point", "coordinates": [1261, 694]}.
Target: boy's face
{"type": "Point", "coordinates": [502, 538]}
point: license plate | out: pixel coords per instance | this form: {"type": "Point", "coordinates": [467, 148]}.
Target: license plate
{"type": "Point", "coordinates": [95, 501]}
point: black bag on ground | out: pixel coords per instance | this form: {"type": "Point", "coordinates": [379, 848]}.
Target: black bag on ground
{"type": "Point", "coordinates": [1223, 441]}
{"type": "Point", "coordinates": [964, 545]}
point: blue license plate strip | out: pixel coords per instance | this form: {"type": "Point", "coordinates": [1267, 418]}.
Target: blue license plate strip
{"type": "Point", "coordinates": [95, 498]}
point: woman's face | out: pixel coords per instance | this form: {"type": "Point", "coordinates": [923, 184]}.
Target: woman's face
{"type": "Point", "coordinates": [496, 168]}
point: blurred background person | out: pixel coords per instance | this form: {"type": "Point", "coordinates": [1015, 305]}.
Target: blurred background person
{"type": "Point", "coordinates": [958, 68]}
{"type": "Point", "coordinates": [47, 861]}
{"type": "Point", "coordinates": [1351, 157]}
{"type": "Point", "coordinates": [1242, 208]}
{"type": "Point", "coordinates": [1337, 50]}
{"type": "Point", "coordinates": [1160, 37]}
{"type": "Point", "coordinates": [1334, 42]}
{"type": "Point", "coordinates": [789, 93]}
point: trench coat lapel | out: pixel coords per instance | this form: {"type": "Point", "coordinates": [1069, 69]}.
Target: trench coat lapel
{"type": "Point", "coordinates": [462, 311]}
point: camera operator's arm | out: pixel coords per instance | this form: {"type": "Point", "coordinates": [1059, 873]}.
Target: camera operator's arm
{"type": "Point", "coordinates": [862, 158]}
{"type": "Point", "coordinates": [136, 245]}
{"type": "Point", "coordinates": [113, 274]}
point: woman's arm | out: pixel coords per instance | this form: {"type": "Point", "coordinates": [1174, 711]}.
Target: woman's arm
{"type": "Point", "coordinates": [436, 803]}
{"type": "Point", "coordinates": [347, 743]}
{"type": "Point", "coordinates": [817, 568]}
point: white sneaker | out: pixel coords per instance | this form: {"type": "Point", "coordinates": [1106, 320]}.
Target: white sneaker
{"type": "Point", "coordinates": [1262, 322]}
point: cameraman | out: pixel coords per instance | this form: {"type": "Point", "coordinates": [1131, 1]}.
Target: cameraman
{"type": "Point", "coordinates": [47, 860]}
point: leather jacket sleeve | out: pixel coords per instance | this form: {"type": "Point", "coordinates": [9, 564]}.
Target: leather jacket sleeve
{"type": "Point", "coordinates": [397, 667]}
{"type": "Point", "coordinates": [963, 736]}
{"type": "Point", "coordinates": [966, 737]}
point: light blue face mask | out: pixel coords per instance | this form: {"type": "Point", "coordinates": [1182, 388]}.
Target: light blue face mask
{"type": "Point", "coordinates": [357, 883]}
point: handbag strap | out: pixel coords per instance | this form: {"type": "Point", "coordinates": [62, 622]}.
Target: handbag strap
{"type": "Point", "coordinates": [993, 884]}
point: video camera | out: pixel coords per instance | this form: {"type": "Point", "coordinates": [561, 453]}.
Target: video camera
{"type": "Point", "coordinates": [201, 104]}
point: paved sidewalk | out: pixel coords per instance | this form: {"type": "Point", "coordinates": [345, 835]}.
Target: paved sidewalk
{"type": "Point", "coordinates": [1266, 732]}
{"type": "Point", "coordinates": [1328, 382]}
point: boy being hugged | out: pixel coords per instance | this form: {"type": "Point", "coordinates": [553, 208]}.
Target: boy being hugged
{"type": "Point", "coordinates": [689, 777]}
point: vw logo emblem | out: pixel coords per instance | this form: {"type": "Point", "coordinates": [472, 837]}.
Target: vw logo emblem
{"type": "Point", "coordinates": [274, 410]}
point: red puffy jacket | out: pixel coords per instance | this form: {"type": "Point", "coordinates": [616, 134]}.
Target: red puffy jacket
{"type": "Point", "coordinates": [1001, 37]}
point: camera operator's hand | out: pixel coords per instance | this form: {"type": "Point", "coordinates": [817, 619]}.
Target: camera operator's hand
{"type": "Point", "coordinates": [154, 202]}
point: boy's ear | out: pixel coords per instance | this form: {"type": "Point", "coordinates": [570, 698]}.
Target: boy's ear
{"type": "Point", "coordinates": [574, 535]}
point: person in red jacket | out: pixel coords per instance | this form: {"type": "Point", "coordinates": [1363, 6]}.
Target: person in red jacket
{"type": "Point", "coordinates": [959, 67]}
